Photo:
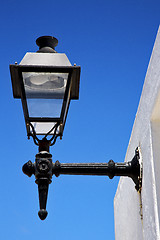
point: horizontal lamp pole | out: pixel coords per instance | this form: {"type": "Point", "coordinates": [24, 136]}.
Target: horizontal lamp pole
{"type": "Point", "coordinates": [127, 169]}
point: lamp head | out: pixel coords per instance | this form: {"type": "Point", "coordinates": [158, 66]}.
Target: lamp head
{"type": "Point", "coordinates": [46, 82]}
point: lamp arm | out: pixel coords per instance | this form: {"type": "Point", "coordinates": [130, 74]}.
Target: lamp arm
{"type": "Point", "coordinates": [44, 169]}
{"type": "Point", "coordinates": [130, 169]}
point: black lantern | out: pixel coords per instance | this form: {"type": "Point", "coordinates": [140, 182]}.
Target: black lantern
{"type": "Point", "coordinates": [46, 82]}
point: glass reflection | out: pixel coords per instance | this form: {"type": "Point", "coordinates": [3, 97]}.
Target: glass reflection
{"type": "Point", "coordinates": [44, 93]}
{"type": "Point", "coordinates": [45, 85]}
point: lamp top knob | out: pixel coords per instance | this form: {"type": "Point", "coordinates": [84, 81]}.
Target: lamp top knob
{"type": "Point", "coordinates": [47, 44]}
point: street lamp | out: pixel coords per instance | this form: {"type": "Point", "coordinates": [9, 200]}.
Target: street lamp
{"type": "Point", "coordinates": [46, 83]}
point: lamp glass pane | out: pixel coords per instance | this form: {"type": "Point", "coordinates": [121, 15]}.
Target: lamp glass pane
{"type": "Point", "coordinates": [42, 128]}
{"type": "Point", "coordinates": [44, 93]}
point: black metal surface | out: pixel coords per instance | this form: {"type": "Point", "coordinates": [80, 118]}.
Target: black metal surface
{"type": "Point", "coordinates": [43, 175]}
{"type": "Point", "coordinates": [44, 168]}
{"type": "Point", "coordinates": [47, 44]}
{"type": "Point", "coordinates": [44, 145]}
{"type": "Point", "coordinates": [28, 168]}
{"type": "Point", "coordinates": [128, 169]}
{"type": "Point", "coordinates": [43, 185]}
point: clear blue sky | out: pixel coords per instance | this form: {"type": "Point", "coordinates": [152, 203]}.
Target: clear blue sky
{"type": "Point", "coordinates": [112, 41]}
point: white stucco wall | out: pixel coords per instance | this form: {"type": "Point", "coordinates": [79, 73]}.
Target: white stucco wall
{"type": "Point", "coordinates": [129, 224]}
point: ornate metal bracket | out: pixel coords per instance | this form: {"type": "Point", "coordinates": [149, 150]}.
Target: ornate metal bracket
{"type": "Point", "coordinates": [44, 169]}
